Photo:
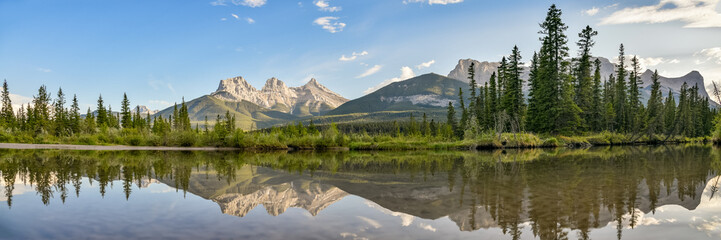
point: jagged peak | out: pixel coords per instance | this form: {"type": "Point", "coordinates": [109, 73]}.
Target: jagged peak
{"type": "Point", "coordinates": [273, 83]}
{"type": "Point", "coordinates": [234, 82]}
{"type": "Point", "coordinates": [694, 74]}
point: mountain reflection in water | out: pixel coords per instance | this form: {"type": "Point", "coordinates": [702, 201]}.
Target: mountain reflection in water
{"type": "Point", "coordinates": [546, 194]}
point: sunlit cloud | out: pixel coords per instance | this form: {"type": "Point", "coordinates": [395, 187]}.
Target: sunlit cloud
{"type": "Point", "coordinates": [425, 64]}
{"type": "Point", "coordinates": [695, 13]}
{"type": "Point", "coordinates": [406, 73]}
{"type": "Point", "coordinates": [710, 54]}
{"type": "Point", "coordinates": [249, 20]}
{"type": "Point", "coordinates": [330, 24]}
{"type": "Point", "coordinates": [431, 2]}
{"type": "Point", "coordinates": [353, 56]}
{"type": "Point", "coordinates": [324, 5]}
{"type": "Point", "coordinates": [45, 70]}
{"type": "Point", "coordinates": [591, 12]}
{"type": "Point", "coordinates": [247, 3]}
{"type": "Point", "coordinates": [370, 71]}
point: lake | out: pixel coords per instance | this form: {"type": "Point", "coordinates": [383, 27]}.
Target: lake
{"type": "Point", "coordinates": [643, 192]}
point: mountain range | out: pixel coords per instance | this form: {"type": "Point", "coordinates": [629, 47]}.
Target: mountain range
{"type": "Point", "coordinates": [276, 103]}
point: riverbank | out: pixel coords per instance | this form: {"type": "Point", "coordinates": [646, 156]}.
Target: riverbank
{"type": "Point", "coordinates": [355, 142]}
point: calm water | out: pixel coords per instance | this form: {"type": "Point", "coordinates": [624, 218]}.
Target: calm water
{"type": "Point", "coordinates": [600, 193]}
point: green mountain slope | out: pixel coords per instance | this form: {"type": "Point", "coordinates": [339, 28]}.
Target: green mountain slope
{"type": "Point", "coordinates": [248, 115]}
{"type": "Point", "coordinates": [426, 93]}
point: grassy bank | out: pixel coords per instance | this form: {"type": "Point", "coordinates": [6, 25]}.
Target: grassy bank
{"type": "Point", "coordinates": [332, 139]}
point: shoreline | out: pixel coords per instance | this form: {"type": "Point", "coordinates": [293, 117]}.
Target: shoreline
{"type": "Point", "coordinates": [370, 147]}
{"type": "Point", "coordinates": [30, 146]}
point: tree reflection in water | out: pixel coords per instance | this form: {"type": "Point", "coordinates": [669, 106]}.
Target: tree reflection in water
{"type": "Point", "coordinates": [550, 191]}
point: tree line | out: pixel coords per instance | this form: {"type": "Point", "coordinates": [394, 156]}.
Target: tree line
{"type": "Point", "coordinates": [567, 95]}
{"type": "Point", "coordinates": [45, 115]}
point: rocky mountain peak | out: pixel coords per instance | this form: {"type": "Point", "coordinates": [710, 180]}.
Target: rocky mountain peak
{"type": "Point", "coordinates": [274, 84]}
{"type": "Point", "coordinates": [235, 84]}
{"type": "Point", "coordinates": [276, 95]}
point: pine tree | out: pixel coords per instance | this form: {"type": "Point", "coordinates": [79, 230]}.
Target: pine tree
{"type": "Point", "coordinates": [512, 100]}
{"type": "Point", "coordinates": [634, 97]}
{"type": "Point", "coordinates": [41, 114]}
{"type": "Point", "coordinates": [451, 117]}
{"type": "Point", "coordinates": [60, 115]}
{"type": "Point", "coordinates": [584, 80]}
{"type": "Point", "coordinates": [7, 117]}
{"type": "Point", "coordinates": [548, 95]}
{"type": "Point", "coordinates": [620, 103]}
{"type": "Point", "coordinates": [492, 100]}
{"type": "Point", "coordinates": [127, 119]}
{"type": "Point", "coordinates": [669, 118]}
{"type": "Point", "coordinates": [184, 117]}
{"type": "Point", "coordinates": [74, 116]}
{"type": "Point", "coordinates": [655, 107]}
{"type": "Point", "coordinates": [102, 114]}
{"type": "Point", "coordinates": [464, 111]}
{"type": "Point", "coordinates": [534, 111]}
{"type": "Point", "coordinates": [596, 115]}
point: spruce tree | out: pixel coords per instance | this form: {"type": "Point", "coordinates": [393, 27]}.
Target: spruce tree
{"type": "Point", "coordinates": [669, 112]}
{"type": "Point", "coordinates": [492, 99]}
{"type": "Point", "coordinates": [7, 116]}
{"type": "Point", "coordinates": [584, 80]}
{"type": "Point", "coordinates": [74, 116]}
{"type": "Point", "coordinates": [634, 97]}
{"type": "Point", "coordinates": [512, 100]}
{"type": "Point", "coordinates": [595, 117]}
{"type": "Point", "coordinates": [127, 119]}
{"type": "Point", "coordinates": [451, 117]}
{"type": "Point", "coordinates": [90, 122]}
{"type": "Point", "coordinates": [41, 112]}
{"type": "Point", "coordinates": [654, 106]}
{"type": "Point", "coordinates": [102, 113]}
{"type": "Point", "coordinates": [534, 111]}
{"type": "Point", "coordinates": [60, 115]}
{"type": "Point", "coordinates": [621, 103]}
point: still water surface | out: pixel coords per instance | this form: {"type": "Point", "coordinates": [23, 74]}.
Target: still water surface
{"type": "Point", "coordinates": [666, 192]}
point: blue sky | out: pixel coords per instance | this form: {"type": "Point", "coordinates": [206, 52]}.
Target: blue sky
{"type": "Point", "coordinates": [159, 51]}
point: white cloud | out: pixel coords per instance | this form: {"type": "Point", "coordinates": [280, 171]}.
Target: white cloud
{"type": "Point", "coordinates": [223, 19]}
{"type": "Point", "coordinates": [371, 222]}
{"type": "Point", "coordinates": [406, 73]}
{"type": "Point", "coordinates": [45, 70]}
{"type": "Point", "coordinates": [247, 3]}
{"type": "Point", "coordinates": [592, 11]}
{"type": "Point", "coordinates": [323, 5]}
{"type": "Point", "coordinates": [427, 227]}
{"type": "Point", "coordinates": [353, 56]}
{"type": "Point", "coordinates": [235, 16]}
{"type": "Point", "coordinates": [695, 13]}
{"type": "Point", "coordinates": [425, 64]}
{"type": "Point", "coordinates": [250, 20]}
{"type": "Point", "coordinates": [330, 24]}
{"type": "Point", "coordinates": [711, 54]}
{"type": "Point", "coordinates": [674, 61]}
{"type": "Point", "coordinates": [431, 2]}
{"type": "Point", "coordinates": [370, 71]}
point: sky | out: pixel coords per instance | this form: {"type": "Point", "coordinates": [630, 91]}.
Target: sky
{"type": "Point", "coordinates": [161, 51]}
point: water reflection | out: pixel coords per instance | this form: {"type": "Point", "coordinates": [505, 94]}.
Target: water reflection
{"type": "Point", "coordinates": [546, 194]}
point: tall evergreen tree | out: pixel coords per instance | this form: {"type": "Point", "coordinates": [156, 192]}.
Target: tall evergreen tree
{"type": "Point", "coordinates": [451, 117]}
{"type": "Point", "coordinates": [654, 116]}
{"type": "Point", "coordinates": [127, 118]}
{"type": "Point", "coordinates": [584, 80]}
{"type": "Point", "coordinates": [534, 111]}
{"type": "Point", "coordinates": [669, 114]}
{"type": "Point", "coordinates": [512, 100]}
{"type": "Point", "coordinates": [74, 116]}
{"type": "Point", "coordinates": [41, 112]}
{"type": "Point", "coordinates": [634, 106]}
{"type": "Point", "coordinates": [621, 103]}
{"type": "Point", "coordinates": [595, 117]}
{"type": "Point", "coordinates": [102, 113]}
{"type": "Point", "coordinates": [492, 98]}
{"type": "Point", "coordinates": [60, 115]}
{"type": "Point", "coordinates": [7, 116]}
